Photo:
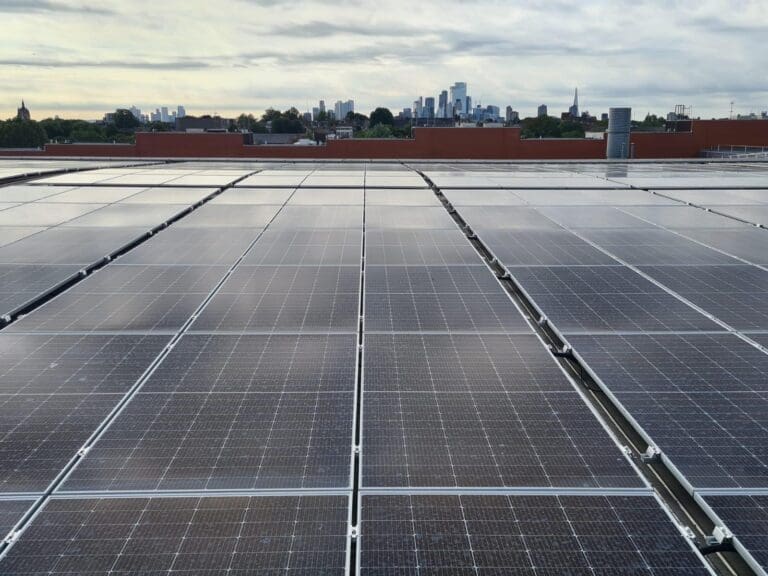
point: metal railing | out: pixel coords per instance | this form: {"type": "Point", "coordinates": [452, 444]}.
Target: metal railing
{"type": "Point", "coordinates": [751, 152]}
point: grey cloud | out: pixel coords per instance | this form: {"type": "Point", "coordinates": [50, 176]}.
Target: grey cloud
{"type": "Point", "coordinates": [182, 64]}
{"type": "Point", "coordinates": [320, 29]}
{"type": "Point", "coordinates": [50, 6]}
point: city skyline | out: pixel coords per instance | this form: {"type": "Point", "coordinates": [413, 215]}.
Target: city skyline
{"type": "Point", "coordinates": [64, 57]}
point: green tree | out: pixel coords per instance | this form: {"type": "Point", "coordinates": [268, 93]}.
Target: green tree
{"type": "Point", "coordinates": [541, 127]}
{"type": "Point", "coordinates": [17, 134]}
{"type": "Point", "coordinates": [125, 121]}
{"type": "Point", "coordinates": [378, 131]}
{"type": "Point", "coordinates": [382, 116]}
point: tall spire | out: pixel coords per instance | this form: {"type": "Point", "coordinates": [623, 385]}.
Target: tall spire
{"type": "Point", "coordinates": [576, 98]}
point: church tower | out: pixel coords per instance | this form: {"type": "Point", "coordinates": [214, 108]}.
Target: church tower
{"type": "Point", "coordinates": [23, 113]}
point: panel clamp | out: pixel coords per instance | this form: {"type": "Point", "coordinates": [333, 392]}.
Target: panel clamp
{"type": "Point", "coordinates": [652, 454]}
{"type": "Point", "coordinates": [13, 535]}
{"type": "Point", "coordinates": [566, 352]}
{"type": "Point", "coordinates": [721, 540]}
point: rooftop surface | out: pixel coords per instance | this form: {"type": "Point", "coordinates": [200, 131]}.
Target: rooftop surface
{"type": "Point", "coordinates": [383, 368]}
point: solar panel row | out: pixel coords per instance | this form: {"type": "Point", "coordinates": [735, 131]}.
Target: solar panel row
{"type": "Point", "coordinates": [258, 393]}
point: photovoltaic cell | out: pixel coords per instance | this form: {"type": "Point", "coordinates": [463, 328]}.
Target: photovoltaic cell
{"type": "Point", "coordinates": [737, 295]}
{"type": "Point", "coordinates": [746, 517]}
{"type": "Point", "coordinates": [111, 312]}
{"type": "Point", "coordinates": [11, 511]}
{"type": "Point", "coordinates": [749, 244]}
{"type": "Point", "coordinates": [21, 283]}
{"type": "Point", "coordinates": [338, 216]}
{"type": "Point", "coordinates": [681, 217]}
{"type": "Point", "coordinates": [136, 215]}
{"type": "Point", "coordinates": [606, 298]}
{"type": "Point", "coordinates": [293, 279]}
{"type": "Point", "coordinates": [430, 280]}
{"type": "Point", "coordinates": [418, 217]}
{"type": "Point", "coordinates": [702, 399]}
{"type": "Point", "coordinates": [258, 363]}
{"type": "Point", "coordinates": [542, 247]}
{"type": "Point", "coordinates": [223, 216]}
{"type": "Point", "coordinates": [298, 535]}
{"type": "Point", "coordinates": [521, 535]}
{"type": "Point", "coordinates": [55, 391]}
{"type": "Point", "coordinates": [484, 218]}
{"type": "Point", "coordinates": [223, 440]}
{"type": "Point", "coordinates": [460, 363]}
{"type": "Point", "coordinates": [69, 245]}
{"type": "Point", "coordinates": [198, 246]}
{"type": "Point", "coordinates": [654, 247]}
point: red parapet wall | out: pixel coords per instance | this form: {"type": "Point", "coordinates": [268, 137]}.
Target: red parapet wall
{"type": "Point", "coordinates": [427, 144]}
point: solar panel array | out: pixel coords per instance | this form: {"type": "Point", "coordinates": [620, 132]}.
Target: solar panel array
{"type": "Point", "coordinates": [662, 301]}
{"type": "Point", "coordinates": [320, 347]}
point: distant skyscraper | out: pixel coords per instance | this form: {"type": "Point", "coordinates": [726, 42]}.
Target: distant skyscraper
{"type": "Point", "coordinates": [429, 107]}
{"type": "Point", "coordinates": [164, 117]}
{"type": "Point", "coordinates": [573, 111]}
{"type": "Point", "coordinates": [459, 98]}
{"type": "Point", "coordinates": [341, 109]}
{"type": "Point", "coordinates": [315, 113]}
{"type": "Point", "coordinates": [23, 113]}
{"type": "Point", "coordinates": [542, 110]}
{"type": "Point", "coordinates": [321, 105]}
{"type": "Point", "coordinates": [418, 105]}
{"type": "Point", "coordinates": [511, 116]}
{"type": "Point", "coordinates": [407, 113]}
{"type": "Point", "coordinates": [181, 112]}
{"type": "Point", "coordinates": [135, 112]}
{"type": "Point", "coordinates": [442, 105]}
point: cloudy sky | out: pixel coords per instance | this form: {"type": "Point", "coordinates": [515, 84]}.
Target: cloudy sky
{"type": "Point", "coordinates": [79, 59]}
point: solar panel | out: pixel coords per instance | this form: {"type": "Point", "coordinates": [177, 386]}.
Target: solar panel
{"type": "Point", "coordinates": [253, 196]}
{"type": "Point", "coordinates": [44, 214]}
{"type": "Point", "coordinates": [506, 217]}
{"type": "Point", "coordinates": [521, 535]}
{"type": "Point", "coordinates": [223, 440]}
{"type": "Point", "coordinates": [88, 194]}
{"type": "Point", "coordinates": [683, 217]}
{"type": "Point", "coordinates": [737, 295]}
{"type": "Point", "coordinates": [258, 364]}
{"type": "Point", "coordinates": [78, 311]}
{"type": "Point", "coordinates": [590, 217]}
{"type": "Point", "coordinates": [606, 298]}
{"type": "Point", "coordinates": [484, 198]}
{"type": "Point", "coordinates": [8, 234]}
{"type": "Point", "coordinates": [21, 283]}
{"type": "Point", "coordinates": [11, 512]}
{"type": "Point", "coordinates": [380, 216]}
{"type": "Point", "coordinates": [68, 245]}
{"type": "Point", "coordinates": [749, 243]}
{"type": "Point", "coordinates": [222, 216]}
{"type": "Point", "coordinates": [395, 197]}
{"type": "Point", "coordinates": [280, 312]}
{"type": "Point", "coordinates": [169, 195]}
{"type": "Point", "coordinates": [301, 535]}
{"type": "Point", "coordinates": [325, 196]}
{"type": "Point", "coordinates": [542, 247]}
{"type": "Point", "coordinates": [318, 217]}
{"type": "Point", "coordinates": [654, 247]}
{"type": "Point", "coordinates": [293, 279]}
{"type": "Point", "coordinates": [26, 193]}
{"type": "Point", "coordinates": [430, 280]}
{"type": "Point", "coordinates": [424, 247]}
{"type": "Point", "coordinates": [746, 516]}
{"type": "Point", "coordinates": [54, 393]}
{"type": "Point", "coordinates": [193, 246]}
{"type": "Point", "coordinates": [702, 399]}
{"type": "Point", "coordinates": [468, 363]}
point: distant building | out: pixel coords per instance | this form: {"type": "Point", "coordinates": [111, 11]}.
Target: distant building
{"type": "Point", "coordinates": [321, 105]}
{"type": "Point", "coordinates": [202, 124]}
{"type": "Point", "coordinates": [459, 100]}
{"type": "Point", "coordinates": [181, 112]}
{"type": "Point", "coordinates": [573, 111]}
{"type": "Point", "coordinates": [406, 113]}
{"type": "Point", "coordinates": [442, 105]}
{"type": "Point", "coordinates": [316, 113]}
{"type": "Point", "coordinates": [136, 113]}
{"type": "Point", "coordinates": [417, 107]}
{"type": "Point", "coordinates": [164, 116]}
{"type": "Point", "coordinates": [23, 113]}
{"type": "Point", "coordinates": [429, 107]}
{"type": "Point", "coordinates": [542, 111]}
{"type": "Point", "coordinates": [511, 116]}
{"type": "Point", "coordinates": [341, 109]}
{"type": "Point", "coordinates": [604, 117]}
{"type": "Point", "coordinates": [307, 117]}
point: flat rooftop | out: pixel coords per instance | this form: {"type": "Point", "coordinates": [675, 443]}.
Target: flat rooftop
{"type": "Point", "coordinates": [383, 368]}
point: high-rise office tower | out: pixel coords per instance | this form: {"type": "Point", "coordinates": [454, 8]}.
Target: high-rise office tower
{"type": "Point", "coordinates": [429, 107]}
{"type": "Point", "coordinates": [574, 110]}
{"type": "Point", "coordinates": [442, 105]}
{"type": "Point", "coordinates": [459, 98]}
{"type": "Point", "coordinates": [542, 111]}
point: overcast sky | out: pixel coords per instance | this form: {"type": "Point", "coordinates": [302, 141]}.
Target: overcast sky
{"type": "Point", "coordinates": [80, 59]}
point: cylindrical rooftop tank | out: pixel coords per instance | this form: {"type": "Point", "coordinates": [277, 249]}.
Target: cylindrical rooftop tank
{"type": "Point", "coordinates": [619, 123]}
